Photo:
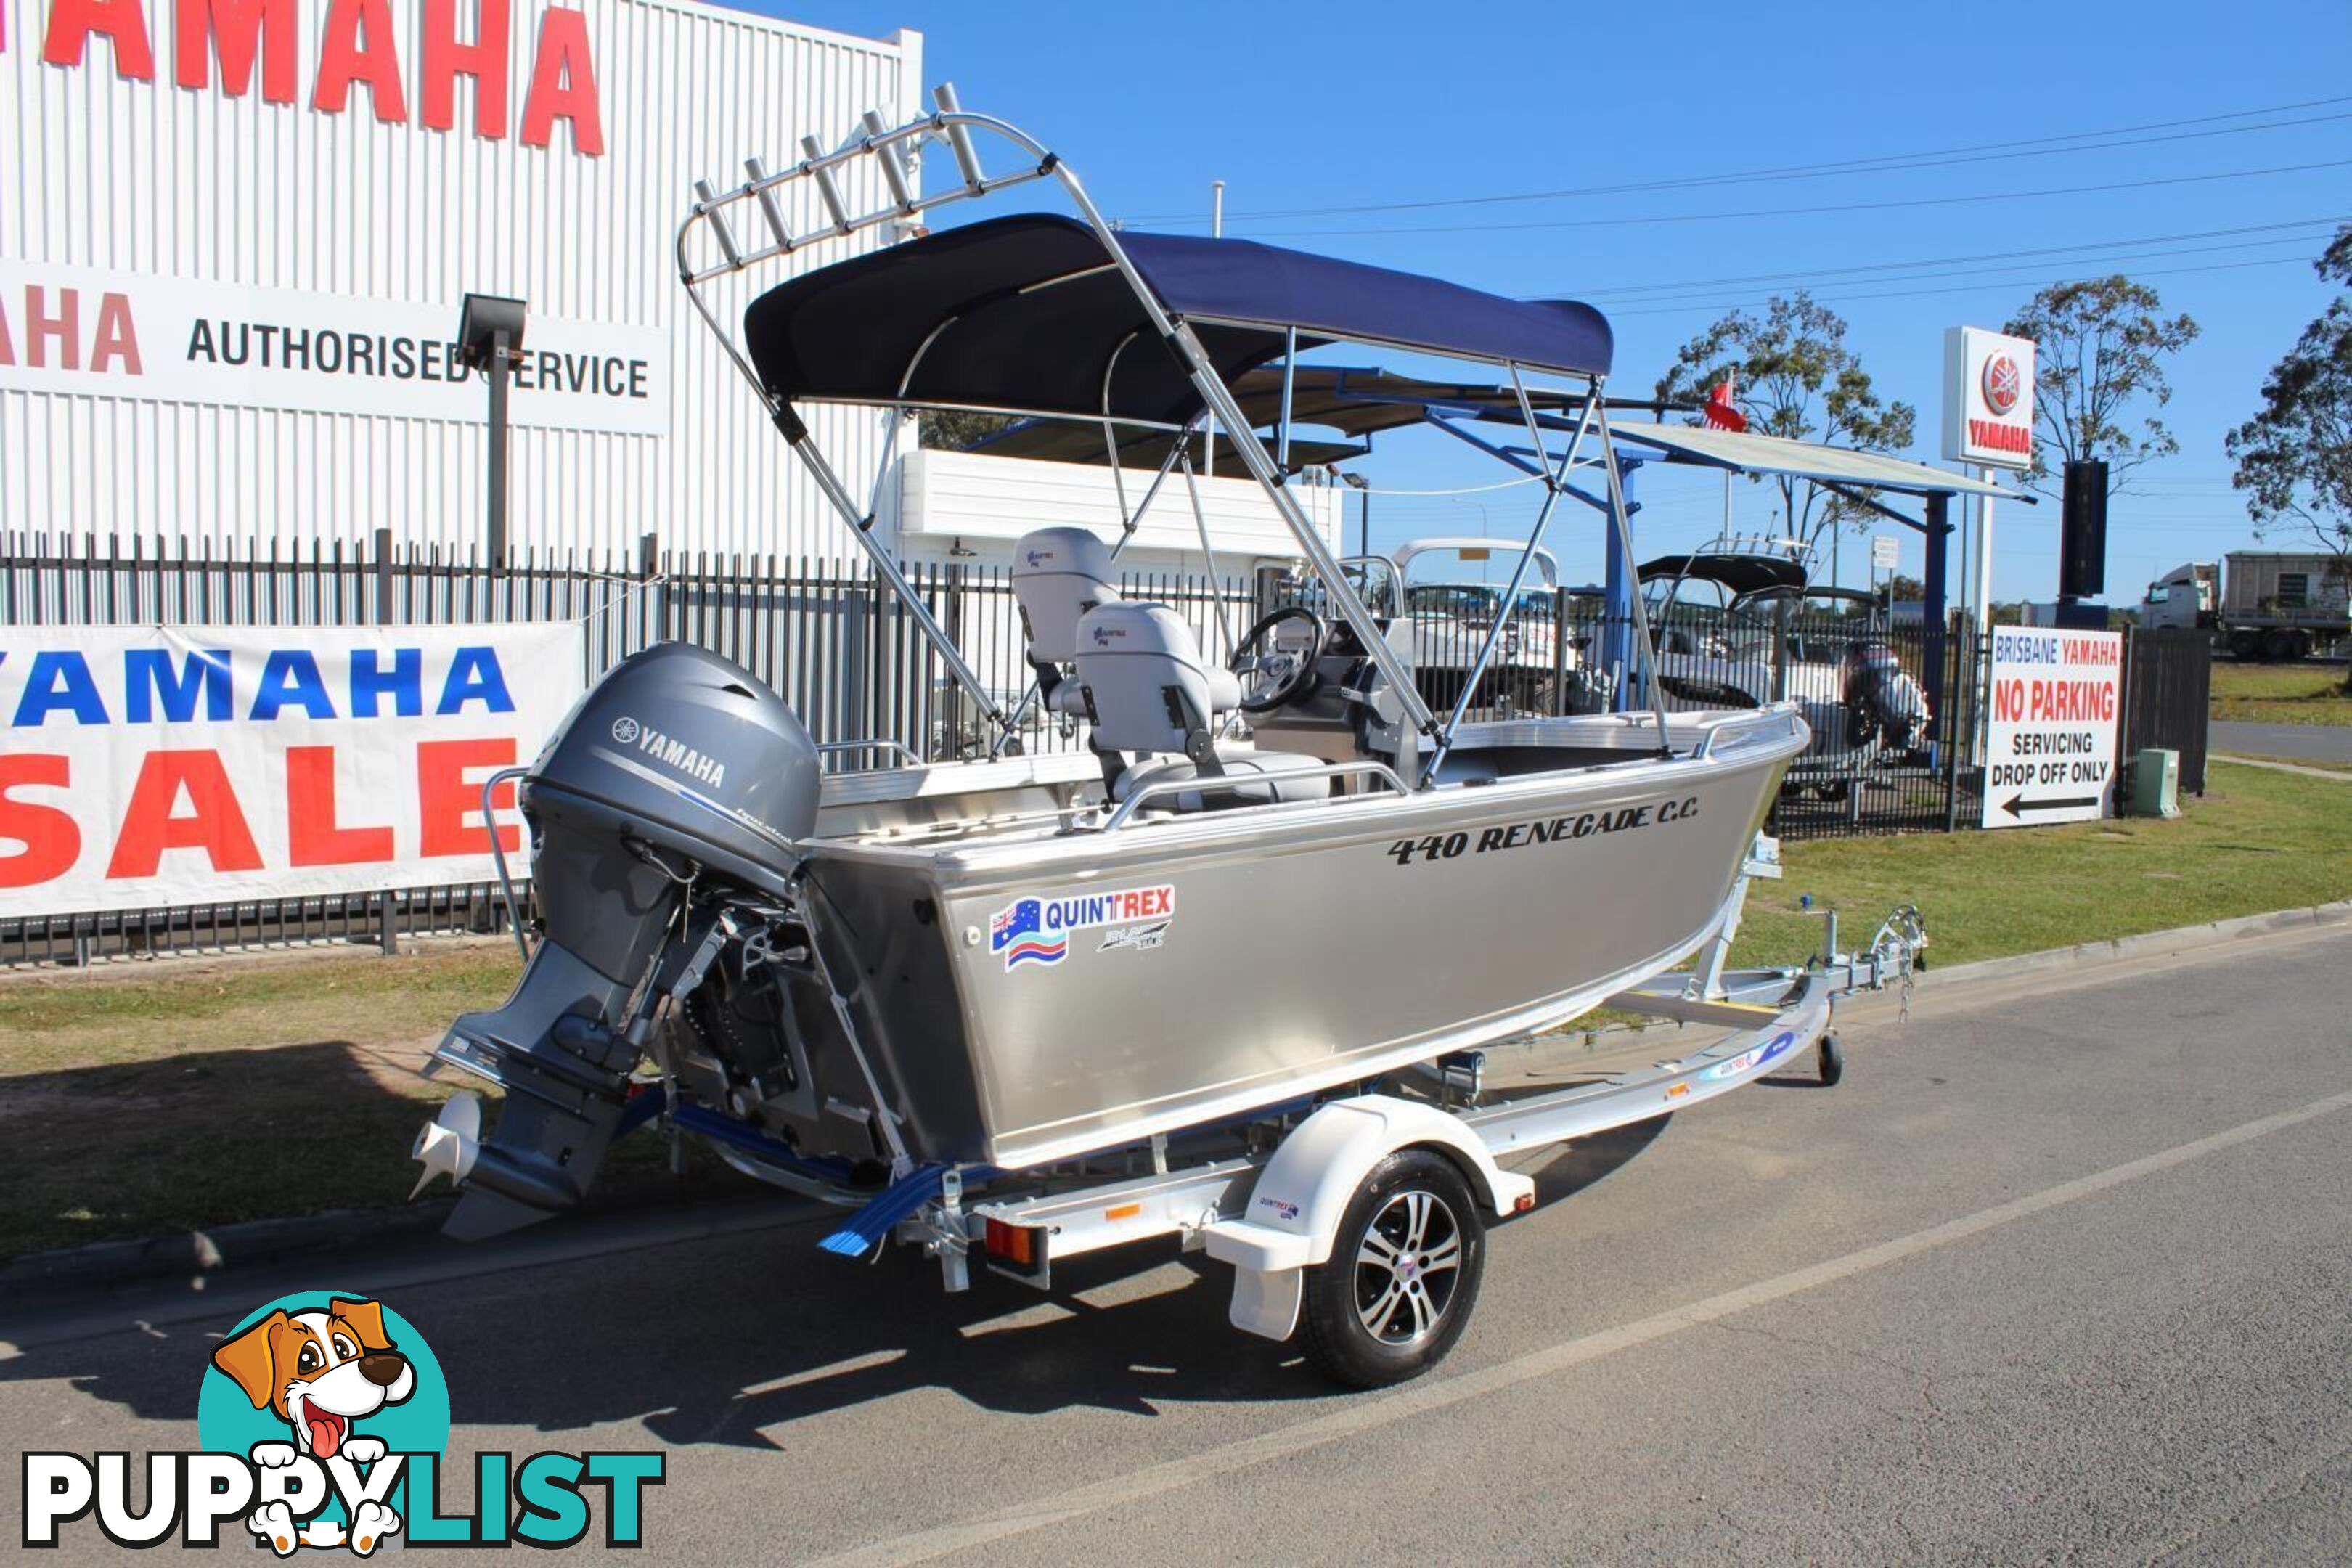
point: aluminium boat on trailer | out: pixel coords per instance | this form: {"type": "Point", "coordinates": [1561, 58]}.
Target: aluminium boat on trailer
{"type": "Point", "coordinates": [898, 986]}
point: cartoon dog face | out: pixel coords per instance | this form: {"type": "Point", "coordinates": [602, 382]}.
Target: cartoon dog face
{"type": "Point", "coordinates": [321, 1371]}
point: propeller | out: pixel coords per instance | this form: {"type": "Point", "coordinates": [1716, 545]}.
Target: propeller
{"type": "Point", "coordinates": [447, 1144]}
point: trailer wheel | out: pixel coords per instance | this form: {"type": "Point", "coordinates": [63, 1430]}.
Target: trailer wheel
{"type": "Point", "coordinates": [2278, 646]}
{"type": "Point", "coordinates": [1832, 1059]}
{"type": "Point", "coordinates": [1403, 1274]}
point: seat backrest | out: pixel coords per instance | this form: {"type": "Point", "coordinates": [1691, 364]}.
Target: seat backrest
{"type": "Point", "coordinates": [1059, 574]}
{"type": "Point", "coordinates": [1147, 689]}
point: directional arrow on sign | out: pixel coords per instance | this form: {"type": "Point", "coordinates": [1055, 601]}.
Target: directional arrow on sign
{"type": "Point", "coordinates": [2017, 805]}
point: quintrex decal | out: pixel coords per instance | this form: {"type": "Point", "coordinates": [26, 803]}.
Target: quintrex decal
{"type": "Point", "coordinates": [1542, 830]}
{"type": "Point", "coordinates": [1756, 1056]}
{"type": "Point", "coordinates": [1135, 939]}
{"type": "Point", "coordinates": [1036, 931]}
{"type": "Point", "coordinates": [324, 1418]}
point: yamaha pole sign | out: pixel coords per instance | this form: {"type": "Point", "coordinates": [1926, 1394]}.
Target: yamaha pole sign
{"type": "Point", "coordinates": [1988, 398]}
{"type": "Point", "coordinates": [2050, 736]}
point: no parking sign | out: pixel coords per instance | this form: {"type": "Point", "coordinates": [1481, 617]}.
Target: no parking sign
{"type": "Point", "coordinates": [2050, 737]}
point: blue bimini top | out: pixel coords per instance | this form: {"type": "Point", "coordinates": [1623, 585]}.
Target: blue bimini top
{"type": "Point", "coordinates": [1028, 313]}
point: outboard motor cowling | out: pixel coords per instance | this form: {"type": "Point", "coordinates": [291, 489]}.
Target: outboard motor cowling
{"type": "Point", "coordinates": [679, 768]}
{"type": "Point", "coordinates": [1882, 699]}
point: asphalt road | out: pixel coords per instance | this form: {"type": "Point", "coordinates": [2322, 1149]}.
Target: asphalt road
{"type": "Point", "coordinates": [2310, 742]}
{"type": "Point", "coordinates": [2060, 1271]}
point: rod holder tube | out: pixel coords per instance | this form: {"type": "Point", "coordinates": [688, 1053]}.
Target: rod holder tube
{"type": "Point", "coordinates": [770, 207]}
{"type": "Point", "coordinates": [894, 168]}
{"type": "Point", "coordinates": [718, 229]}
{"type": "Point", "coordinates": [967, 156]}
{"type": "Point", "coordinates": [828, 191]}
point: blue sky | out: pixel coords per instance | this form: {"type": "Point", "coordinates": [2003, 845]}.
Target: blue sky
{"type": "Point", "coordinates": [1319, 107]}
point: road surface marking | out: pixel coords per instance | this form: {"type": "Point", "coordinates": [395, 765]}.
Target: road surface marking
{"type": "Point", "coordinates": [1372, 1412]}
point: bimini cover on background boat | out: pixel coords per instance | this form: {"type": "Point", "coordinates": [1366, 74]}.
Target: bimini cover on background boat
{"type": "Point", "coordinates": [1027, 313]}
{"type": "Point", "coordinates": [1739, 572]}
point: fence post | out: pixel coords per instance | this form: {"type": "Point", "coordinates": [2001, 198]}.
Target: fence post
{"type": "Point", "coordinates": [649, 568]}
{"type": "Point", "coordinates": [951, 732]}
{"type": "Point", "coordinates": [387, 919]}
{"type": "Point", "coordinates": [1966, 658]}
{"type": "Point", "coordinates": [383, 576]}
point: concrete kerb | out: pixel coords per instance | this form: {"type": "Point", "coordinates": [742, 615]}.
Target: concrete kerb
{"type": "Point", "coordinates": [57, 1279]}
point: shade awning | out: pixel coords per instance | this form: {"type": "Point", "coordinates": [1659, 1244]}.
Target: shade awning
{"type": "Point", "coordinates": [1028, 312]}
{"type": "Point", "coordinates": [1747, 453]}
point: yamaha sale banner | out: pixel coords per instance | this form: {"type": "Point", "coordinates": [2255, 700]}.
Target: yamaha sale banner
{"type": "Point", "coordinates": [145, 766]}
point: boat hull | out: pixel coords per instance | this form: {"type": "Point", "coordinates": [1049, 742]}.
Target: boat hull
{"type": "Point", "coordinates": [1033, 1003]}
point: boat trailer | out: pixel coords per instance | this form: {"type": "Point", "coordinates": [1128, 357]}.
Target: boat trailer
{"type": "Point", "coordinates": [1280, 1195]}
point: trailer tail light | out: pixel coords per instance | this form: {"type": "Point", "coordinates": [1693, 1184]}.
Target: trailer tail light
{"type": "Point", "coordinates": [1016, 1250]}
{"type": "Point", "coordinates": [1011, 1243]}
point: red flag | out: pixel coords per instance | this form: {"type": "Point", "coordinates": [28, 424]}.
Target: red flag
{"type": "Point", "coordinates": [1719, 412]}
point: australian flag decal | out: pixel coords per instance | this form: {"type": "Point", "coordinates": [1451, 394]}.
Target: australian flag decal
{"type": "Point", "coordinates": [1017, 935]}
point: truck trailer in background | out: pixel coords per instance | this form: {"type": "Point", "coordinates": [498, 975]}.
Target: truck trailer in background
{"type": "Point", "coordinates": [2270, 604]}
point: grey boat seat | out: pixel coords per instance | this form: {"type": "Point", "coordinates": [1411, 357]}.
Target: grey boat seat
{"type": "Point", "coordinates": [1147, 691]}
{"type": "Point", "coordinates": [1059, 574]}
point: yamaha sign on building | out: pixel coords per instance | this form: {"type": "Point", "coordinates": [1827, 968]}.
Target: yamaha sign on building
{"type": "Point", "coordinates": [234, 235]}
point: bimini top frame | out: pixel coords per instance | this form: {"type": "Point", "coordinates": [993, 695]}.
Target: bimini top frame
{"type": "Point", "coordinates": [1033, 315]}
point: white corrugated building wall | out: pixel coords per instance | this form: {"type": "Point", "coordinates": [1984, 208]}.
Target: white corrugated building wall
{"type": "Point", "coordinates": [150, 179]}
{"type": "Point", "coordinates": [111, 175]}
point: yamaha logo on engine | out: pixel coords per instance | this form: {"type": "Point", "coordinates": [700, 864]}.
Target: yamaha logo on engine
{"type": "Point", "coordinates": [670, 753]}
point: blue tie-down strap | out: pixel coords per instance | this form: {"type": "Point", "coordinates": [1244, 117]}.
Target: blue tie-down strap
{"type": "Point", "coordinates": [642, 1106]}
{"type": "Point", "coordinates": [865, 1229]}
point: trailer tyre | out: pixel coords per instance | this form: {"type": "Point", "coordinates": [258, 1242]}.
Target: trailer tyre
{"type": "Point", "coordinates": [1403, 1274]}
{"type": "Point", "coordinates": [1831, 1066]}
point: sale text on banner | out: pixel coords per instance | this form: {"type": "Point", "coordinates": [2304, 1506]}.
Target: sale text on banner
{"type": "Point", "coordinates": [142, 767]}
{"type": "Point", "coordinates": [2050, 729]}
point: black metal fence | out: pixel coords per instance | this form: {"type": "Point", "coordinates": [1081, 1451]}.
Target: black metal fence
{"type": "Point", "coordinates": [851, 661]}
{"type": "Point", "coordinates": [2168, 687]}
{"type": "Point", "coordinates": [1859, 775]}
{"type": "Point", "coordinates": [825, 635]}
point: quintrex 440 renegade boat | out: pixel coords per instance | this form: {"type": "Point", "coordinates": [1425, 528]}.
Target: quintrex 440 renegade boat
{"type": "Point", "coordinates": [947, 995]}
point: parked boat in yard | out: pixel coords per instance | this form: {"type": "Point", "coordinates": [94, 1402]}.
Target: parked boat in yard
{"type": "Point", "coordinates": [1226, 974]}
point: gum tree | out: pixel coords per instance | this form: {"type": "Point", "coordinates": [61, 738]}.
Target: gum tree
{"type": "Point", "coordinates": [2100, 348]}
{"type": "Point", "coordinates": [1794, 378]}
{"type": "Point", "coordinates": [2294, 458]}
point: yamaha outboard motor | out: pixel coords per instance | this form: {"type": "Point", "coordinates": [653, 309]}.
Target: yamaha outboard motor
{"type": "Point", "coordinates": [679, 770]}
{"type": "Point", "coordinates": [1881, 697]}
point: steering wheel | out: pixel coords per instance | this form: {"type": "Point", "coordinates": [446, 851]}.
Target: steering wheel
{"type": "Point", "coordinates": [1273, 676]}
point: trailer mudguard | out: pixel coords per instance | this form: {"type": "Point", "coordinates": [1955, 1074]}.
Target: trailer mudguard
{"type": "Point", "coordinates": [1295, 1208]}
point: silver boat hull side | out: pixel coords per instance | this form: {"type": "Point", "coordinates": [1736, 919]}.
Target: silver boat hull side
{"type": "Point", "coordinates": [1107, 987]}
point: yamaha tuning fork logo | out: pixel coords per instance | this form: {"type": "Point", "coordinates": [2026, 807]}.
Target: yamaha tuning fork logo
{"type": "Point", "coordinates": [2000, 382]}
{"type": "Point", "coordinates": [323, 1420]}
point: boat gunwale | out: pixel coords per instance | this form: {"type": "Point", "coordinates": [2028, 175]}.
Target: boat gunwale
{"type": "Point", "coordinates": [1761, 737]}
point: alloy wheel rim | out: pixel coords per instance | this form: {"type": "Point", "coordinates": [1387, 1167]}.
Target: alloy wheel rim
{"type": "Point", "coordinates": [1408, 1266]}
